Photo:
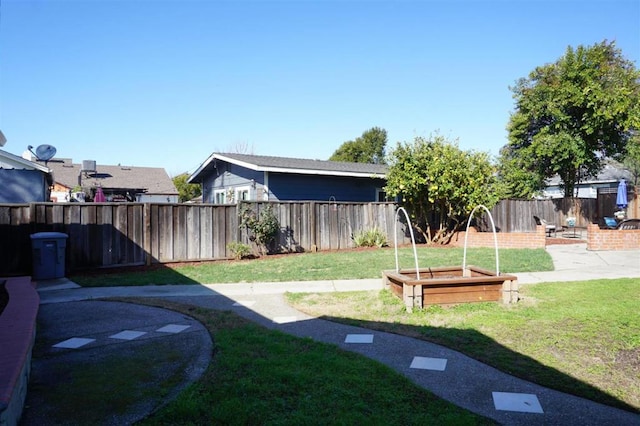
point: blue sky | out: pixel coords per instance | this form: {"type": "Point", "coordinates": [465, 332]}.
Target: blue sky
{"type": "Point", "coordinates": [166, 83]}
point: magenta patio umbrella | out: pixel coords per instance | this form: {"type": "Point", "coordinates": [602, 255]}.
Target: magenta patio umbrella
{"type": "Point", "coordinates": [99, 198]}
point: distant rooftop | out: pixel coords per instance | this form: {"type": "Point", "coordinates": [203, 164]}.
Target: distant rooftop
{"type": "Point", "coordinates": [152, 180]}
{"type": "Point", "coordinates": [612, 172]}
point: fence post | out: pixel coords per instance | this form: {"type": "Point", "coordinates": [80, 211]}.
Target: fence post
{"type": "Point", "coordinates": [312, 224]}
{"type": "Point", "coordinates": [146, 237]}
{"type": "Point", "coordinates": [33, 224]}
{"type": "Point", "coordinates": [238, 230]}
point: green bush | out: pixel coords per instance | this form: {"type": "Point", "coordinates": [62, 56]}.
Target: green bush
{"type": "Point", "coordinates": [239, 250]}
{"type": "Point", "coordinates": [370, 238]}
{"type": "Point", "coordinates": [263, 229]}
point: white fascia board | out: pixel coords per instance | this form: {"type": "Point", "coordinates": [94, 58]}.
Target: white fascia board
{"type": "Point", "coordinates": [201, 168]}
{"type": "Point", "coordinates": [237, 162]}
{"type": "Point", "coordinates": [216, 156]}
{"type": "Point", "coordinates": [16, 162]}
{"type": "Point", "coordinates": [551, 183]}
{"type": "Point", "coordinates": [595, 182]}
{"type": "Point", "coordinates": [320, 172]}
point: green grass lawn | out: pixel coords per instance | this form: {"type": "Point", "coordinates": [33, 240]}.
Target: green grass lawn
{"type": "Point", "coordinates": [261, 376]}
{"type": "Point", "coordinates": [578, 337]}
{"type": "Point", "coordinates": [257, 376]}
{"type": "Point", "coordinates": [347, 264]}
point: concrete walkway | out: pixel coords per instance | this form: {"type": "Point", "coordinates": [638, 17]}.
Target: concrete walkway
{"type": "Point", "coordinates": [447, 373]}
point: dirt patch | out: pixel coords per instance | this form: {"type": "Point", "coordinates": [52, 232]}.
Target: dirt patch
{"type": "Point", "coordinates": [629, 359]}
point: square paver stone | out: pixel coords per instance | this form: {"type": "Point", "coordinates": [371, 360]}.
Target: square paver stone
{"type": "Point", "coordinates": [520, 402]}
{"type": "Point", "coordinates": [284, 320]}
{"type": "Point", "coordinates": [128, 335]}
{"type": "Point", "coordinates": [426, 363]}
{"type": "Point", "coordinates": [74, 343]}
{"type": "Point", "coordinates": [359, 338]}
{"type": "Point", "coordinates": [173, 328]}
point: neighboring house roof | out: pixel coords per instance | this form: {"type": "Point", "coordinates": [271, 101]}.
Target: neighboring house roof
{"type": "Point", "coordinates": [293, 165]}
{"type": "Point", "coordinates": [612, 172]}
{"type": "Point", "coordinates": [152, 180]}
{"type": "Point", "coordinates": [11, 161]}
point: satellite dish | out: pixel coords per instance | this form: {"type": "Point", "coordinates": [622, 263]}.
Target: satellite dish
{"type": "Point", "coordinates": [44, 152]}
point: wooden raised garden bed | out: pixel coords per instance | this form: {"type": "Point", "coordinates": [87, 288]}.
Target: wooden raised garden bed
{"type": "Point", "coordinates": [448, 285]}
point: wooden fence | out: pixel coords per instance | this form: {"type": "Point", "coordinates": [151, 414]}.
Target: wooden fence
{"type": "Point", "coordinates": [607, 202]}
{"type": "Point", "coordinates": [517, 215]}
{"type": "Point", "coordinates": [121, 234]}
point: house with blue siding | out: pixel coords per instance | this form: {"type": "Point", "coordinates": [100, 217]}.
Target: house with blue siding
{"type": "Point", "coordinates": [23, 181]}
{"type": "Point", "coordinates": [229, 178]}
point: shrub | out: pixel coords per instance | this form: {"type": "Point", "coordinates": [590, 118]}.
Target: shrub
{"type": "Point", "coordinates": [264, 229]}
{"type": "Point", "coordinates": [370, 238]}
{"type": "Point", "coordinates": [239, 250]}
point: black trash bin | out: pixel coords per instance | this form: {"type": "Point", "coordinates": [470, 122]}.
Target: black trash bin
{"type": "Point", "coordinates": [48, 250]}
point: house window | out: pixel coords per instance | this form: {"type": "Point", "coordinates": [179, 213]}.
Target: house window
{"type": "Point", "coordinates": [381, 196]}
{"type": "Point", "coordinates": [218, 196]}
{"type": "Point", "coordinates": [242, 194]}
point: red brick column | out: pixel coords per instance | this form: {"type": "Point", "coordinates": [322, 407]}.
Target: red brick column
{"type": "Point", "coordinates": [612, 239]}
{"type": "Point", "coordinates": [505, 239]}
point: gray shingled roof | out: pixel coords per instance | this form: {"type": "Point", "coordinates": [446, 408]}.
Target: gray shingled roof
{"type": "Point", "coordinates": [611, 172]}
{"type": "Point", "coordinates": [152, 179]}
{"type": "Point", "coordinates": [295, 165]}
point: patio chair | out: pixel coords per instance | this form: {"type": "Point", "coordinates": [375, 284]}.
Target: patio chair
{"type": "Point", "coordinates": [629, 224]}
{"type": "Point", "coordinates": [548, 227]}
{"type": "Point", "coordinates": [610, 222]}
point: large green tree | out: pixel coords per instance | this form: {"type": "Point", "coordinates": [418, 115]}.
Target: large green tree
{"type": "Point", "coordinates": [569, 116]}
{"type": "Point", "coordinates": [186, 191]}
{"type": "Point", "coordinates": [368, 148]}
{"type": "Point", "coordinates": [440, 185]}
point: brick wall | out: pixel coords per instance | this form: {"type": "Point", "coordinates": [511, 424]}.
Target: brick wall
{"type": "Point", "coordinates": [612, 239]}
{"type": "Point", "coordinates": [505, 239]}
{"type": "Point", "coordinates": [17, 334]}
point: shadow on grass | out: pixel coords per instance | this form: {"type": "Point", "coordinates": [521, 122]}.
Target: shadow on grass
{"type": "Point", "coordinates": [156, 274]}
{"type": "Point", "coordinates": [255, 370]}
{"type": "Point", "coordinates": [486, 350]}
{"type": "Point", "coordinates": [475, 344]}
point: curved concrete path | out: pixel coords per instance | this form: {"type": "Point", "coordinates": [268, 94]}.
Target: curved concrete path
{"type": "Point", "coordinates": [447, 373]}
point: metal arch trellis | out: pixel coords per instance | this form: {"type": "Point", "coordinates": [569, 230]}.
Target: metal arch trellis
{"type": "Point", "coordinates": [413, 240]}
{"type": "Point", "coordinates": [495, 239]}
{"type": "Point", "coordinates": [464, 256]}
